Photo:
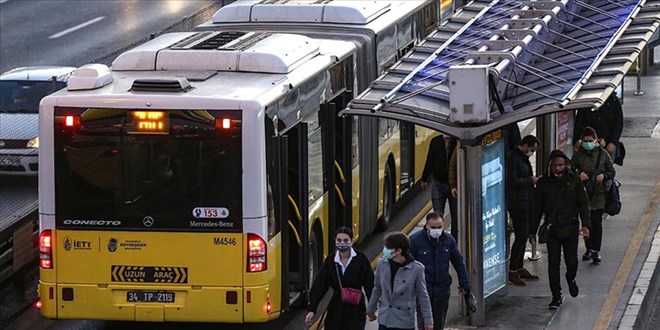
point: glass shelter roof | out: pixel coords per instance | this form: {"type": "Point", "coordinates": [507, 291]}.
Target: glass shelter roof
{"type": "Point", "coordinates": [540, 57]}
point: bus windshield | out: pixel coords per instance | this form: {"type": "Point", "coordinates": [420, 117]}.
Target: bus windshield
{"type": "Point", "coordinates": [167, 170]}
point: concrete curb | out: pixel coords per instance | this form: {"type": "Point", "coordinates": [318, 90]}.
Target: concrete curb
{"type": "Point", "coordinates": [638, 312]}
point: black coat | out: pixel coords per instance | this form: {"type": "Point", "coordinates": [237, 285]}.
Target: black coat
{"type": "Point", "coordinates": [607, 121]}
{"type": "Point", "coordinates": [519, 182]}
{"type": "Point", "coordinates": [436, 161]}
{"type": "Point", "coordinates": [358, 275]}
{"type": "Point", "coordinates": [560, 201]}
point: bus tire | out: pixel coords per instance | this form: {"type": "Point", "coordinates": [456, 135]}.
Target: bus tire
{"type": "Point", "coordinates": [388, 200]}
{"type": "Point", "coordinates": [314, 259]}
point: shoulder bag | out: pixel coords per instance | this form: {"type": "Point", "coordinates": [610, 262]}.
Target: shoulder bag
{"type": "Point", "coordinates": [348, 295]}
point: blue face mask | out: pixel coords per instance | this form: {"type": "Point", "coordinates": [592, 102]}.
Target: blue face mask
{"type": "Point", "coordinates": [589, 145]}
{"type": "Point", "coordinates": [387, 253]}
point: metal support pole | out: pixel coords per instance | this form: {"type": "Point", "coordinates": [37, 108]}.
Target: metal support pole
{"type": "Point", "coordinates": [462, 210]}
{"type": "Point", "coordinates": [471, 164]}
{"type": "Point", "coordinates": [639, 91]}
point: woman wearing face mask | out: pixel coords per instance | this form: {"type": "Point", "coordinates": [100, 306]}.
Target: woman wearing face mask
{"type": "Point", "coordinates": [398, 286]}
{"type": "Point", "coordinates": [596, 169]}
{"type": "Point", "coordinates": [348, 271]}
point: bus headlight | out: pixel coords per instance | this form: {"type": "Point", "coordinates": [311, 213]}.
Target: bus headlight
{"type": "Point", "coordinates": [33, 143]}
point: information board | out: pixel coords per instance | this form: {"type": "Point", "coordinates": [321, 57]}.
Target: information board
{"type": "Point", "coordinates": [493, 217]}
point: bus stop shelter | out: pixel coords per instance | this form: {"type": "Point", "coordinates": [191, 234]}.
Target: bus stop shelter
{"type": "Point", "coordinates": [495, 63]}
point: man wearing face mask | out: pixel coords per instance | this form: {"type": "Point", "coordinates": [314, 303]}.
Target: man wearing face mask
{"type": "Point", "coordinates": [595, 168]}
{"type": "Point", "coordinates": [436, 249]}
{"type": "Point", "coordinates": [560, 197]}
{"type": "Point", "coordinates": [520, 181]}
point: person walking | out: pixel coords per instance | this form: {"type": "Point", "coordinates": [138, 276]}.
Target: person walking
{"type": "Point", "coordinates": [607, 121]}
{"type": "Point", "coordinates": [436, 171]}
{"type": "Point", "coordinates": [560, 196]}
{"type": "Point", "coordinates": [347, 272]}
{"type": "Point", "coordinates": [520, 181]}
{"type": "Point", "coordinates": [435, 249]}
{"type": "Point", "coordinates": [596, 170]}
{"type": "Point", "coordinates": [398, 286]}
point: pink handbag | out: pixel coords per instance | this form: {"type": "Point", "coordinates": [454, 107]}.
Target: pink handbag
{"type": "Point", "coordinates": [349, 295]}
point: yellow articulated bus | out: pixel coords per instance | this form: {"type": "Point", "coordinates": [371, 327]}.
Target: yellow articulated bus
{"type": "Point", "coordinates": [202, 177]}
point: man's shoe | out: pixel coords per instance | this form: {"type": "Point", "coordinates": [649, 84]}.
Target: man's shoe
{"type": "Point", "coordinates": [587, 255]}
{"type": "Point", "coordinates": [524, 273]}
{"type": "Point", "coordinates": [514, 278]}
{"type": "Point", "coordinates": [596, 257]}
{"type": "Point", "coordinates": [556, 302]}
{"type": "Point", "coordinates": [573, 288]}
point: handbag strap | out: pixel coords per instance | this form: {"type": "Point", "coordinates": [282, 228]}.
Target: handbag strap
{"type": "Point", "coordinates": [338, 276]}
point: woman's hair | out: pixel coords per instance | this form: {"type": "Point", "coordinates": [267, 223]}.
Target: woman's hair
{"type": "Point", "coordinates": [397, 240]}
{"type": "Point", "coordinates": [589, 131]}
{"type": "Point", "coordinates": [344, 230]}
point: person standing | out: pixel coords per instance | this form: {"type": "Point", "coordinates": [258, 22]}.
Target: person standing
{"type": "Point", "coordinates": [348, 268]}
{"type": "Point", "coordinates": [520, 181]}
{"type": "Point", "coordinates": [398, 286]}
{"type": "Point", "coordinates": [596, 170]}
{"type": "Point", "coordinates": [560, 196]}
{"type": "Point", "coordinates": [435, 249]}
{"type": "Point", "coordinates": [607, 121]}
{"type": "Point", "coordinates": [436, 171]}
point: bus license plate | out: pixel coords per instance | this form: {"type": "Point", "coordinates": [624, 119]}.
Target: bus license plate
{"type": "Point", "coordinates": [150, 296]}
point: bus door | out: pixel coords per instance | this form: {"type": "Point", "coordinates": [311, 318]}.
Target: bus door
{"type": "Point", "coordinates": [407, 155]}
{"type": "Point", "coordinates": [293, 170]}
{"type": "Point", "coordinates": [339, 133]}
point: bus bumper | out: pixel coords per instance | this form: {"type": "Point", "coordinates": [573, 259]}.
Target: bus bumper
{"type": "Point", "coordinates": [191, 304]}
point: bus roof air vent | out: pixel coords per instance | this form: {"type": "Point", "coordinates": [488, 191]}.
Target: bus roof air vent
{"type": "Point", "coordinates": [216, 40]}
{"type": "Point", "coordinates": [174, 85]}
{"type": "Point", "coordinates": [303, 11]}
{"type": "Point", "coordinates": [90, 76]}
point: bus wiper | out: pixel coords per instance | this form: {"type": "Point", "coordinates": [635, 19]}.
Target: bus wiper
{"type": "Point", "coordinates": [133, 201]}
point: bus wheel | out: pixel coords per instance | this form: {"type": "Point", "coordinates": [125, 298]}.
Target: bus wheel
{"type": "Point", "coordinates": [388, 201]}
{"type": "Point", "coordinates": [314, 258]}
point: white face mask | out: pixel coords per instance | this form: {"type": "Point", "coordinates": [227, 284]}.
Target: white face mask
{"type": "Point", "coordinates": [435, 233]}
{"type": "Point", "coordinates": [530, 154]}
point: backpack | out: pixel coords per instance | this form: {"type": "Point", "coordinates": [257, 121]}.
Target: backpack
{"type": "Point", "coordinates": [613, 200]}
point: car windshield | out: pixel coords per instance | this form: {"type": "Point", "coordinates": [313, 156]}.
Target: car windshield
{"type": "Point", "coordinates": [24, 96]}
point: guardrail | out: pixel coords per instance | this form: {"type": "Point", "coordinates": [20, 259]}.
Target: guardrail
{"type": "Point", "coordinates": [19, 246]}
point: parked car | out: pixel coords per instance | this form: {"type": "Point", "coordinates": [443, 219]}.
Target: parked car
{"type": "Point", "coordinates": [21, 90]}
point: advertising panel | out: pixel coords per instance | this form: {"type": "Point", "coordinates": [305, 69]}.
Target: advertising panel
{"type": "Point", "coordinates": [493, 216]}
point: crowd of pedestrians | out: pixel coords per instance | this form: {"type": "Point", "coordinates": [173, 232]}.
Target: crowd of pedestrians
{"type": "Point", "coordinates": [411, 286]}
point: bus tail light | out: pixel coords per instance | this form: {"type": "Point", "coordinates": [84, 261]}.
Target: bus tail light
{"type": "Point", "coordinates": [46, 249]}
{"type": "Point", "coordinates": [71, 121]}
{"type": "Point", "coordinates": [38, 305]}
{"type": "Point", "coordinates": [223, 123]}
{"type": "Point", "coordinates": [256, 254]}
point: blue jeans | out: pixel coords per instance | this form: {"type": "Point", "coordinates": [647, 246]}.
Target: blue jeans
{"type": "Point", "coordinates": [440, 193]}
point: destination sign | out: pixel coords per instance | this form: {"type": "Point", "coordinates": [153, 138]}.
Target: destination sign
{"type": "Point", "coordinates": [148, 122]}
{"type": "Point", "coordinates": [149, 274]}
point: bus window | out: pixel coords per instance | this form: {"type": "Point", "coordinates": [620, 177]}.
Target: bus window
{"type": "Point", "coordinates": [314, 159]}
{"type": "Point", "coordinates": [405, 35]}
{"type": "Point", "coordinates": [386, 50]}
{"type": "Point", "coordinates": [186, 176]}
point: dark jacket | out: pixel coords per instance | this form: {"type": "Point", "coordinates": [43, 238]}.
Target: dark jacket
{"type": "Point", "coordinates": [585, 161]}
{"type": "Point", "coordinates": [560, 201]}
{"type": "Point", "coordinates": [358, 275]}
{"type": "Point", "coordinates": [519, 182]}
{"type": "Point", "coordinates": [436, 255]}
{"type": "Point", "coordinates": [436, 161]}
{"type": "Point", "coordinates": [607, 121]}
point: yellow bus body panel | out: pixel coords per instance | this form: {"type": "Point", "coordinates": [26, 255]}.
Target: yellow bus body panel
{"type": "Point", "coordinates": [95, 266]}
